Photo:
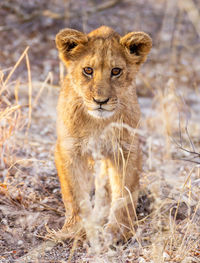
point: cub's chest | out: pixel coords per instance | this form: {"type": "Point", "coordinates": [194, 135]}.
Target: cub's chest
{"type": "Point", "coordinates": [98, 145]}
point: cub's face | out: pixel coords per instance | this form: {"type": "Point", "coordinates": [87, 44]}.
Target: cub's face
{"type": "Point", "coordinates": [102, 65]}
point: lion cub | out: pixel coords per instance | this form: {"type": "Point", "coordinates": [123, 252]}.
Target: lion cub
{"type": "Point", "coordinates": [98, 112]}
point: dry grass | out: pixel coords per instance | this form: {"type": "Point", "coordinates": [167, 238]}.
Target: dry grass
{"type": "Point", "coordinates": [167, 228]}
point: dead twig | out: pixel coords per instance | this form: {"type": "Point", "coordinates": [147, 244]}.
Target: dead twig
{"type": "Point", "coordinates": [192, 11]}
{"type": "Point", "coordinates": [194, 154]}
{"type": "Point", "coordinates": [103, 6]}
{"type": "Point", "coordinates": [47, 207]}
{"type": "Point", "coordinates": [15, 9]}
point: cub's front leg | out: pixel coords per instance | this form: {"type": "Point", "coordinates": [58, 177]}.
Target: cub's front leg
{"type": "Point", "coordinates": [124, 181]}
{"type": "Point", "coordinates": [70, 188]}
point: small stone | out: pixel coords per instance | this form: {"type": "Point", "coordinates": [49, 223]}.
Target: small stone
{"type": "Point", "coordinates": [55, 190]}
{"type": "Point", "coordinates": [4, 221]}
{"type": "Point", "coordinates": [20, 242]}
{"type": "Point", "coordinates": [47, 249]}
{"type": "Point", "coordinates": [141, 260]}
{"type": "Point", "coordinates": [130, 255]}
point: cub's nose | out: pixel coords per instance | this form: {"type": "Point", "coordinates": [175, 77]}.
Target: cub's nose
{"type": "Point", "coordinates": [101, 102]}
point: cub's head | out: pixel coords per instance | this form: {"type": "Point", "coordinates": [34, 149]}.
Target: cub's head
{"type": "Point", "coordinates": [102, 66]}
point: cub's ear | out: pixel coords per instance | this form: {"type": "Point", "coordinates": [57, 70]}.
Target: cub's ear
{"type": "Point", "coordinates": [70, 43]}
{"type": "Point", "coordinates": [137, 45]}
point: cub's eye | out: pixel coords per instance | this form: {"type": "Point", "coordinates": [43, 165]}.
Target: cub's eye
{"type": "Point", "coordinates": [88, 71]}
{"type": "Point", "coordinates": [116, 71]}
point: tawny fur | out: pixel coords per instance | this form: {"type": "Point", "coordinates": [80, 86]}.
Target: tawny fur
{"type": "Point", "coordinates": [82, 127]}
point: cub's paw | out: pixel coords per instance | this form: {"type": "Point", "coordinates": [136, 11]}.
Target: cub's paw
{"type": "Point", "coordinates": [71, 222]}
{"type": "Point", "coordinates": [116, 234]}
{"type": "Point", "coordinates": [73, 227]}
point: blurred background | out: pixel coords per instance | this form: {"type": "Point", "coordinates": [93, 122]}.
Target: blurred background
{"type": "Point", "coordinates": [173, 25]}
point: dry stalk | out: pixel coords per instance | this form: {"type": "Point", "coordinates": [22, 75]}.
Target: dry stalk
{"type": "Point", "coordinates": [29, 92]}
{"type": "Point", "coordinates": [193, 13]}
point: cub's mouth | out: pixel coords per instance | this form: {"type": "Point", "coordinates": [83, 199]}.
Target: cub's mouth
{"type": "Point", "coordinates": [101, 113]}
{"type": "Point", "coordinates": [101, 109]}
